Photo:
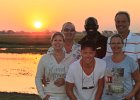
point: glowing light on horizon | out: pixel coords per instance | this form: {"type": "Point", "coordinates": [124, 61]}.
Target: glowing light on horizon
{"type": "Point", "coordinates": [37, 24]}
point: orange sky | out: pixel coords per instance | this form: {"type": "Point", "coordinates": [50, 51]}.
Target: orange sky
{"type": "Point", "coordinates": [19, 15]}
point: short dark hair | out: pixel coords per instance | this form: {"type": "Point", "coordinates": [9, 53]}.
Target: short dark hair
{"type": "Point", "coordinates": [125, 13]}
{"type": "Point", "coordinates": [88, 43]}
{"type": "Point", "coordinates": [91, 23]}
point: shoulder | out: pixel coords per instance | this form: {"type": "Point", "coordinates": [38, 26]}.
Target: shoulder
{"type": "Point", "coordinates": [102, 36]}
{"type": "Point", "coordinates": [129, 59]}
{"type": "Point", "coordinates": [50, 50]}
{"type": "Point", "coordinates": [107, 57]}
{"type": "Point", "coordinates": [100, 61]}
{"type": "Point", "coordinates": [74, 65]}
{"type": "Point", "coordinates": [134, 37]}
{"type": "Point", "coordinates": [45, 57]}
{"type": "Point", "coordinates": [76, 45]}
{"type": "Point", "coordinates": [100, 65]}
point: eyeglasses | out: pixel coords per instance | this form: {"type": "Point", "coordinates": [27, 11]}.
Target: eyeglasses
{"type": "Point", "coordinates": [115, 43]}
{"type": "Point", "coordinates": [87, 87]}
{"type": "Point", "coordinates": [69, 30]}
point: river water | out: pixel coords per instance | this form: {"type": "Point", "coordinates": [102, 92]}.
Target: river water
{"type": "Point", "coordinates": [17, 72]}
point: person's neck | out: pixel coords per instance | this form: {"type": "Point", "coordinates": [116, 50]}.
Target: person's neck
{"type": "Point", "coordinates": [125, 35]}
{"type": "Point", "coordinates": [58, 52]}
{"type": "Point", "coordinates": [88, 67]}
{"type": "Point", "coordinates": [68, 46]}
{"type": "Point", "coordinates": [68, 42]}
{"type": "Point", "coordinates": [118, 57]}
{"type": "Point", "coordinates": [59, 55]}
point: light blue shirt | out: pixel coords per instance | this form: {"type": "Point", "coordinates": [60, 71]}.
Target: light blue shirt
{"type": "Point", "coordinates": [129, 66]}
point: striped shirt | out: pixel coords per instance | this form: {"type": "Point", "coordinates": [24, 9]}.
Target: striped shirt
{"type": "Point", "coordinates": [131, 46]}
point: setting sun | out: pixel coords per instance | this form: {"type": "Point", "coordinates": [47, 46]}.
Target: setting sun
{"type": "Point", "coordinates": [38, 24]}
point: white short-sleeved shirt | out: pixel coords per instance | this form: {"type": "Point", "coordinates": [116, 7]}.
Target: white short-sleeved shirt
{"type": "Point", "coordinates": [74, 75]}
{"type": "Point", "coordinates": [131, 46]}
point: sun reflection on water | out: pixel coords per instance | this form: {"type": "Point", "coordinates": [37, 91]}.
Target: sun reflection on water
{"type": "Point", "coordinates": [17, 72]}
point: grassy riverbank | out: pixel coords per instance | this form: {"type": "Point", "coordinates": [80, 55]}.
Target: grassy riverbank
{"type": "Point", "coordinates": [18, 96]}
{"type": "Point", "coordinates": [14, 43]}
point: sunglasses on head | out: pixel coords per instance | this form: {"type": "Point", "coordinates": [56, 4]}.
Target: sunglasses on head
{"type": "Point", "coordinates": [69, 30]}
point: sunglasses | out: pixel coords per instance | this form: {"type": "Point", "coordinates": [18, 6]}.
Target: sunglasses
{"type": "Point", "coordinates": [87, 87]}
{"type": "Point", "coordinates": [69, 30]}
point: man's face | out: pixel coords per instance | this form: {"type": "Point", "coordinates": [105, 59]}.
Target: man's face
{"type": "Point", "coordinates": [69, 31]}
{"type": "Point", "coordinates": [122, 23]}
{"type": "Point", "coordinates": [91, 26]}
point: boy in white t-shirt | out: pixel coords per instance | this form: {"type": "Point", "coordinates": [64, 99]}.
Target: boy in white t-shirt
{"type": "Point", "coordinates": [86, 75]}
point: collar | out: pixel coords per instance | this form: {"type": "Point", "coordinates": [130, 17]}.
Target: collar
{"type": "Point", "coordinates": [129, 35]}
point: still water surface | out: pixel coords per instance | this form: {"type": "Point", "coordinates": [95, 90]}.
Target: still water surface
{"type": "Point", "coordinates": [17, 72]}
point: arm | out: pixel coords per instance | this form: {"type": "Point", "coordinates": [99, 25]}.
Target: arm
{"type": "Point", "coordinates": [38, 78]}
{"type": "Point", "coordinates": [60, 82]}
{"type": "Point", "coordinates": [69, 91]}
{"type": "Point", "coordinates": [99, 89]}
{"type": "Point", "coordinates": [139, 64]}
{"type": "Point", "coordinates": [136, 77]}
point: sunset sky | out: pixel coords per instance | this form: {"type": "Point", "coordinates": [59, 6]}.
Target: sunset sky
{"type": "Point", "coordinates": [20, 15]}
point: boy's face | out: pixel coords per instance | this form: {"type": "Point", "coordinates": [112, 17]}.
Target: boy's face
{"type": "Point", "coordinates": [88, 54]}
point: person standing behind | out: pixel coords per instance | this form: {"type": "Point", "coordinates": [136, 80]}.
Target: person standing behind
{"type": "Point", "coordinates": [85, 76]}
{"type": "Point", "coordinates": [54, 67]}
{"type": "Point", "coordinates": [131, 40]}
{"type": "Point", "coordinates": [71, 47]}
{"type": "Point", "coordinates": [121, 70]}
{"type": "Point", "coordinates": [91, 27]}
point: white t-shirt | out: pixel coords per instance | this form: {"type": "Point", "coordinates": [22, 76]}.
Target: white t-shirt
{"type": "Point", "coordinates": [80, 79]}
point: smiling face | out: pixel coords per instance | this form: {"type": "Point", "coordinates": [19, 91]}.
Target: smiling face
{"type": "Point", "coordinates": [122, 23]}
{"type": "Point", "coordinates": [68, 30]}
{"type": "Point", "coordinates": [116, 44]}
{"type": "Point", "coordinates": [57, 41]}
{"type": "Point", "coordinates": [87, 54]}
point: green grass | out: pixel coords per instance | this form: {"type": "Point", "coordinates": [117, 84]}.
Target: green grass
{"type": "Point", "coordinates": [18, 96]}
{"type": "Point", "coordinates": [15, 43]}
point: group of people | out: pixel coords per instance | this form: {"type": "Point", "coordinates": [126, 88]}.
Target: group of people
{"type": "Point", "coordinates": [95, 68]}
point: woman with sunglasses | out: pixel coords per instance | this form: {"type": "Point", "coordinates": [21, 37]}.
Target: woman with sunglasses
{"type": "Point", "coordinates": [120, 72]}
{"type": "Point", "coordinates": [85, 76]}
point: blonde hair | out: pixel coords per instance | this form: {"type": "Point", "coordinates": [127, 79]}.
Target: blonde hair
{"type": "Point", "coordinates": [57, 33]}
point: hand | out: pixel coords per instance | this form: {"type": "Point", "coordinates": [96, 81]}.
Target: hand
{"type": "Point", "coordinates": [59, 82]}
{"type": "Point", "coordinates": [47, 97]}
{"type": "Point", "coordinates": [44, 80]}
{"type": "Point", "coordinates": [129, 96]}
